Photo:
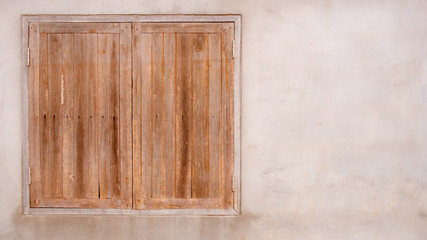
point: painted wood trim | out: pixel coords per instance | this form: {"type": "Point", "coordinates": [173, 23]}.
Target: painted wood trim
{"type": "Point", "coordinates": [160, 212]}
{"type": "Point", "coordinates": [132, 18]}
{"type": "Point", "coordinates": [25, 122]}
{"type": "Point", "coordinates": [235, 18]}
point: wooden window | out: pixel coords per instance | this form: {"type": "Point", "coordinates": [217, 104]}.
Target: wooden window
{"type": "Point", "coordinates": [80, 128]}
{"type": "Point", "coordinates": [127, 113]}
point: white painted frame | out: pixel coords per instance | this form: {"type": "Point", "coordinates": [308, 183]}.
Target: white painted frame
{"type": "Point", "coordinates": [234, 18]}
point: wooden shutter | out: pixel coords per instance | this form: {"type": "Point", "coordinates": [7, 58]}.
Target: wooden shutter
{"type": "Point", "coordinates": [80, 126]}
{"type": "Point", "coordinates": [183, 115]}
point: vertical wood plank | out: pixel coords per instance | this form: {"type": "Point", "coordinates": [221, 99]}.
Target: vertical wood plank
{"type": "Point", "coordinates": [228, 115]}
{"type": "Point", "coordinates": [90, 163]}
{"type": "Point", "coordinates": [157, 116]}
{"type": "Point", "coordinates": [125, 121]}
{"type": "Point", "coordinates": [146, 110]}
{"type": "Point", "coordinates": [215, 131]}
{"type": "Point", "coordinates": [200, 77]}
{"type": "Point", "coordinates": [68, 116]}
{"type": "Point", "coordinates": [168, 120]}
{"type": "Point", "coordinates": [103, 115]}
{"type": "Point", "coordinates": [80, 115]}
{"type": "Point", "coordinates": [44, 118]}
{"type": "Point", "coordinates": [55, 76]}
{"type": "Point", "coordinates": [183, 117]}
{"type": "Point", "coordinates": [34, 116]}
{"type": "Point", "coordinates": [114, 81]}
{"type": "Point", "coordinates": [137, 115]}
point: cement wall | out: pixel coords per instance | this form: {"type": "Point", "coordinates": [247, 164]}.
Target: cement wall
{"type": "Point", "coordinates": [334, 126]}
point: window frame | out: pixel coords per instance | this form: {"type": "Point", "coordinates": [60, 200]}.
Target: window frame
{"type": "Point", "coordinates": [231, 18]}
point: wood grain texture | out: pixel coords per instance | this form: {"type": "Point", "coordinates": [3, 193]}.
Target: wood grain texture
{"type": "Point", "coordinates": [156, 113]}
{"type": "Point", "coordinates": [68, 117]}
{"type": "Point", "coordinates": [125, 122]}
{"type": "Point", "coordinates": [103, 112]}
{"type": "Point", "coordinates": [181, 28]}
{"type": "Point", "coordinates": [200, 116]}
{"type": "Point", "coordinates": [82, 79]}
{"type": "Point", "coordinates": [34, 116]}
{"type": "Point", "coordinates": [44, 118]}
{"type": "Point", "coordinates": [146, 112]}
{"type": "Point", "coordinates": [114, 82]}
{"type": "Point", "coordinates": [82, 28]}
{"type": "Point", "coordinates": [168, 120]}
{"type": "Point", "coordinates": [215, 102]}
{"type": "Point", "coordinates": [81, 113]}
{"type": "Point", "coordinates": [187, 95]}
{"type": "Point", "coordinates": [91, 160]}
{"type": "Point", "coordinates": [55, 77]}
{"type": "Point", "coordinates": [183, 115]}
{"type": "Point", "coordinates": [137, 69]}
{"type": "Point", "coordinates": [228, 116]}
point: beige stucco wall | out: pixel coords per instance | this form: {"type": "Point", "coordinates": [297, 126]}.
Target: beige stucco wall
{"type": "Point", "coordinates": [334, 131]}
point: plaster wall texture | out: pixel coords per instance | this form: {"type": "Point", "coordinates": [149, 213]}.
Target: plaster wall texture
{"type": "Point", "coordinates": [334, 129]}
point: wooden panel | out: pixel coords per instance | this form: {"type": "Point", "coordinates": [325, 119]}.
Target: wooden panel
{"type": "Point", "coordinates": [91, 161]}
{"type": "Point", "coordinates": [103, 114]}
{"type": "Point", "coordinates": [184, 89]}
{"type": "Point", "coordinates": [228, 116]}
{"type": "Point", "coordinates": [113, 81]}
{"type": "Point", "coordinates": [175, 203]}
{"type": "Point", "coordinates": [44, 118]}
{"type": "Point", "coordinates": [180, 27]}
{"type": "Point", "coordinates": [215, 127]}
{"type": "Point", "coordinates": [168, 121]}
{"type": "Point", "coordinates": [80, 112]}
{"type": "Point", "coordinates": [68, 116]}
{"type": "Point", "coordinates": [80, 203]}
{"type": "Point", "coordinates": [146, 113]}
{"type": "Point", "coordinates": [34, 116]}
{"type": "Point", "coordinates": [125, 122]}
{"type": "Point", "coordinates": [79, 27]}
{"type": "Point", "coordinates": [156, 114]}
{"type": "Point", "coordinates": [55, 77]}
{"type": "Point", "coordinates": [183, 116]}
{"type": "Point", "coordinates": [137, 70]}
{"type": "Point", "coordinates": [200, 118]}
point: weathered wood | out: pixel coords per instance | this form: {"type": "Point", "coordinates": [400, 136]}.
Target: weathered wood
{"type": "Point", "coordinates": [183, 116]}
{"type": "Point", "coordinates": [79, 28]}
{"type": "Point", "coordinates": [215, 103]}
{"type": "Point", "coordinates": [137, 70]}
{"type": "Point", "coordinates": [80, 203]}
{"type": "Point", "coordinates": [174, 203]}
{"type": "Point", "coordinates": [181, 28]}
{"type": "Point", "coordinates": [146, 112]}
{"type": "Point", "coordinates": [91, 161]}
{"type": "Point", "coordinates": [68, 116]}
{"type": "Point", "coordinates": [80, 112]}
{"type": "Point", "coordinates": [55, 77]}
{"type": "Point", "coordinates": [103, 114]}
{"type": "Point", "coordinates": [44, 118]}
{"type": "Point", "coordinates": [228, 116]}
{"type": "Point", "coordinates": [156, 114]}
{"type": "Point", "coordinates": [168, 121]}
{"type": "Point", "coordinates": [125, 122]}
{"type": "Point", "coordinates": [200, 116]}
{"type": "Point", "coordinates": [207, 122]}
{"type": "Point", "coordinates": [34, 116]}
{"type": "Point", "coordinates": [114, 82]}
